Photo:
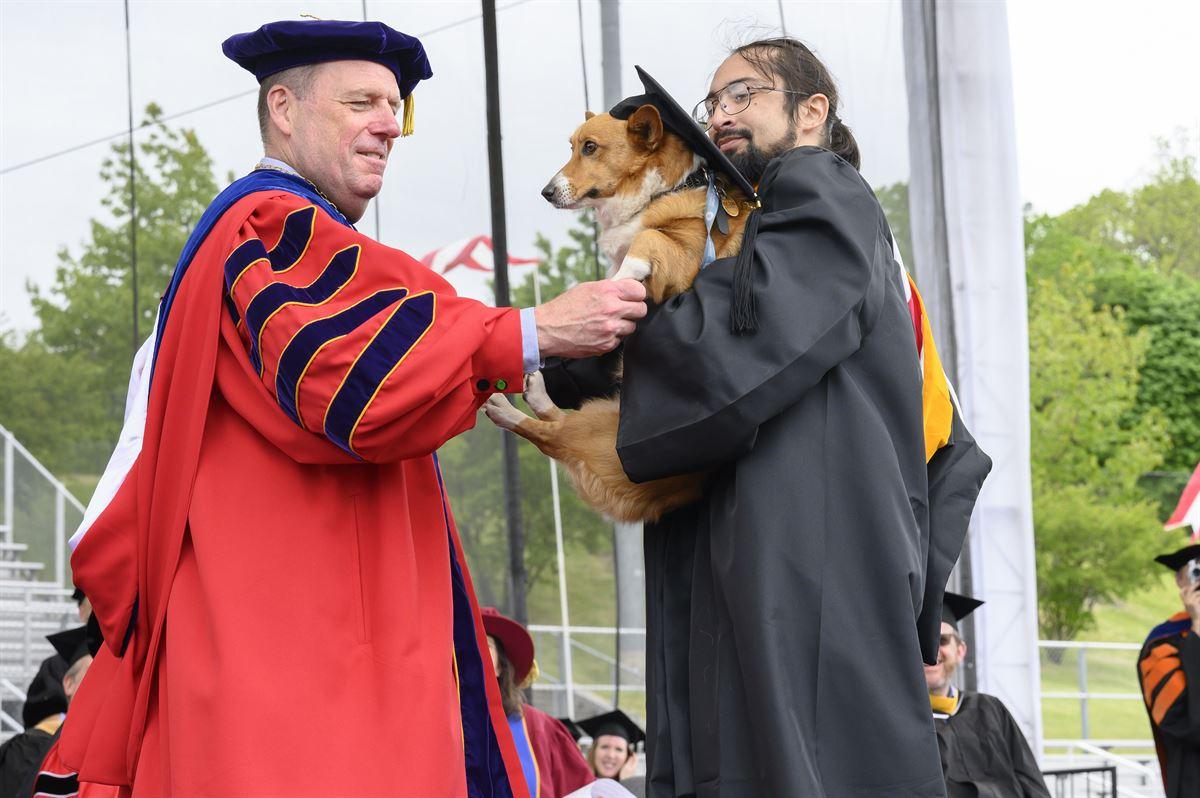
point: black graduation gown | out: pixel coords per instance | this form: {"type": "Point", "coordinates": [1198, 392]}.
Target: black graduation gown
{"type": "Point", "coordinates": [1169, 669]}
{"type": "Point", "coordinates": [45, 696]}
{"type": "Point", "coordinates": [20, 757]}
{"type": "Point", "coordinates": [985, 754]}
{"type": "Point", "coordinates": [782, 644]}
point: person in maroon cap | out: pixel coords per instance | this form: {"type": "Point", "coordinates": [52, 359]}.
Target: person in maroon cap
{"type": "Point", "coordinates": [551, 760]}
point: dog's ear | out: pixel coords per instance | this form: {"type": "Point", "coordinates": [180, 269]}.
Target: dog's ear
{"type": "Point", "coordinates": [646, 127]}
{"type": "Point", "coordinates": [587, 115]}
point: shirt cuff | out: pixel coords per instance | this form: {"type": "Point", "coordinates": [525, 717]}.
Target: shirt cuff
{"type": "Point", "coordinates": [529, 343]}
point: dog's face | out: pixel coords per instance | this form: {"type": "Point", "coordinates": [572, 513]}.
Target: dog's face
{"type": "Point", "coordinates": [612, 157]}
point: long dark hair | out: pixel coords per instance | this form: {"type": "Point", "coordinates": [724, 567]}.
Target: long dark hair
{"type": "Point", "coordinates": [510, 692]}
{"type": "Point", "coordinates": [799, 70]}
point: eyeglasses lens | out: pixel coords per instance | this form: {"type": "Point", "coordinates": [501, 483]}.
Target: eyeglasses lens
{"type": "Point", "coordinates": [733, 99]}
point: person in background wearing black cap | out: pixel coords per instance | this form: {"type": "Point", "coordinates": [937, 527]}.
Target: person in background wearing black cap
{"type": "Point", "coordinates": [284, 483]}
{"type": "Point", "coordinates": [1169, 672]}
{"type": "Point", "coordinates": [21, 755]}
{"type": "Point", "coordinates": [984, 754]}
{"type": "Point", "coordinates": [44, 698]}
{"type": "Point", "coordinates": [789, 609]}
{"type": "Point", "coordinates": [615, 737]}
{"type": "Point", "coordinates": [549, 755]}
{"type": "Point", "coordinates": [54, 778]}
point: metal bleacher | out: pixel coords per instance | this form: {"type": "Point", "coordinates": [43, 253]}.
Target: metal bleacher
{"type": "Point", "coordinates": [38, 514]}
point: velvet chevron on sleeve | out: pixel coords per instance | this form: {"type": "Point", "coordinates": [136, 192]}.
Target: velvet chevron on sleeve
{"type": "Point", "coordinates": [359, 342]}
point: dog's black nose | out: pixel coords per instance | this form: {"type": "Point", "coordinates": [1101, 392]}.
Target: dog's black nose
{"type": "Point", "coordinates": [548, 192]}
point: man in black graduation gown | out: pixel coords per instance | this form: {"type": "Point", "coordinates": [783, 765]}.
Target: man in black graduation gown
{"type": "Point", "coordinates": [1169, 669]}
{"type": "Point", "coordinates": [789, 610]}
{"type": "Point", "coordinates": [984, 754]}
{"type": "Point", "coordinates": [21, 755]}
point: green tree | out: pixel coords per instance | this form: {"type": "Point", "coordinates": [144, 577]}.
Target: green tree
{"type": "Point", "coordinates": [894, 201]}
{"type": "Point", "coordinates": [1163, 306]}
{"type": "Point", "coordinates": [1143, 246]}
{"type": "Point", "coordinates": [78, 359]}
{"type": "Point", "coordinates": [1092, 521]}
{"type": "Point", "coordinates": [1158, 222]}
{"type": "Point", "coordinates": [40, 402]}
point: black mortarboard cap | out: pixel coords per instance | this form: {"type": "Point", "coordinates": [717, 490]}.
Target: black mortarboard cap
{"type": "Point", "coordinates": [616, 723]}
{"type": "Point", "coordinates": [680, 122]}
{"type": "Point", "coordinates": [1177, 559]}
{"type": "Point", "coordinates": [45, 696]}
{"type": "Point", "coordinates": [71, 644]}
{"type": "Point", "coordinates": [277, 46]}
{"type": "Point", "coordinates": [743, 315]}
{"type": "Point", "coordinates": [572, 728]}
{"type": "Point", "coordinates": [955, 607]}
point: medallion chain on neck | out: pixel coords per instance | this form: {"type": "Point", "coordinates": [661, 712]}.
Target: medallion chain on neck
{"type": "Point", "coordinates": [294, 173]}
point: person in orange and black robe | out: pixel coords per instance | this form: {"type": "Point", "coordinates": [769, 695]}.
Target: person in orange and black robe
{"type": "Point", "coordinates": [1169, 670]}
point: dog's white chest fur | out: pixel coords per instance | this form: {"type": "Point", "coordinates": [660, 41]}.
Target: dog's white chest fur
{"type": "Point", "coordinates": [620, 217]}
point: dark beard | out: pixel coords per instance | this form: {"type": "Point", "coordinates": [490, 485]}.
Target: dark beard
{"type": "Point", "coordinates": [752, 160]}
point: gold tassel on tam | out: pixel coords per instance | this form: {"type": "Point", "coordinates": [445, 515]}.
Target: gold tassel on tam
{"type": "Point", "coordinates": [406, 127]}
{"type": "Point", "coordinates": [530, 677]}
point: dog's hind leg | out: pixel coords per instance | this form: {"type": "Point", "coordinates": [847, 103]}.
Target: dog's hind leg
{"type": "Point", "coordinates": [545, 433]}
{"type": "Point", "coordinates": [538, 400]}
{"type": "Point", "coordinates": [503, 413]}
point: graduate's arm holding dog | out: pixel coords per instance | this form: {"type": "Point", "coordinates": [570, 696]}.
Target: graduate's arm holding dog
{"type": "Point", "coordinates": [695, 393]}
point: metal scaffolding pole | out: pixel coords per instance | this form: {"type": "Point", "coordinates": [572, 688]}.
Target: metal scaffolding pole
{"type": "Point", "coordinates": [628, 564]}
{"type": "Point", "coordinates": [512, 474]}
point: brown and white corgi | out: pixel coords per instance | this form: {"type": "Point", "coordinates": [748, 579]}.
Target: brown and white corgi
{"type": "Point", "coordinates": [641, 179]}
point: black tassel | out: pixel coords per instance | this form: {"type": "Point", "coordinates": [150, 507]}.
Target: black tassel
{"type": "Point", "coordinates": [743, 310]}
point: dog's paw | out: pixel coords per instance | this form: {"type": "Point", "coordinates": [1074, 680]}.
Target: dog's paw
{"type": "Point", "coordinates": [633, 268]}
{"type": "Point", "coordinates": [502, 413]}
{"type": "Point", "coordinates": [536, 397]}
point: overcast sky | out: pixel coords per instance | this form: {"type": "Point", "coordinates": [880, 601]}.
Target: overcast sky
{"type": "Point", "coordinates": [1095, 83]}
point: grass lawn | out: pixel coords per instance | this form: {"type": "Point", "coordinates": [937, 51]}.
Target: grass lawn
{"type": "Point", "coordinates": [1107, 671]}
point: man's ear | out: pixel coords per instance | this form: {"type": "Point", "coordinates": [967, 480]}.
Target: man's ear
{"type": "Point", "coordinates": [812, 113]}
{"type": "Point", "coordinates": [281, 104]}
{"type": "Point", "coordinates": [587, 115]}
{"type": "Point", "coordinates": [645, 127]}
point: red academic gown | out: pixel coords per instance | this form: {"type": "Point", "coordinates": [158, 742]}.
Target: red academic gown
{"type": "Point", "coordinates": [283, 543]}
{"type": "Point", "coordinates": [561, 768]}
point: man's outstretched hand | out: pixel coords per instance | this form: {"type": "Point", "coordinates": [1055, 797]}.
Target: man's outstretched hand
{"type": "Point", "coordinates": [590, 318]}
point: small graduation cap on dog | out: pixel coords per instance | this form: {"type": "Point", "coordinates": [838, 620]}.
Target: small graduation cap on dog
{"type": "Point", "coordinates": [742, 313]}
{"type": "Point", "coordinates": [955, 607]}
{"type": "Point", "coordinates": [277, 46]}
{"type": "Point", "coordinates": [615, 723]}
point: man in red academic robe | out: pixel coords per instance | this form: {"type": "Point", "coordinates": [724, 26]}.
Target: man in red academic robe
{"type": "Point", "coordinates": [286, 498]}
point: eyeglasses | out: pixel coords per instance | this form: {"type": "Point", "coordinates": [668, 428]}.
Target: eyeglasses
{"type": "Point", "coordinates": [948, 638]}
{"type": "Point", "coordinates": [733, 99]}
